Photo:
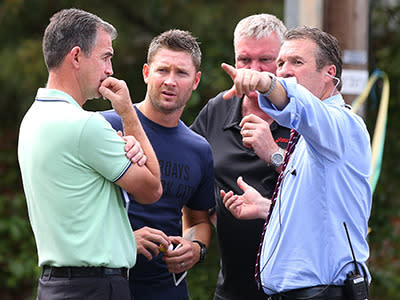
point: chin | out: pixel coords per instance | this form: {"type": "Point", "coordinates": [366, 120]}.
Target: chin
{"type": "Point", "coordinates": [94, 97]}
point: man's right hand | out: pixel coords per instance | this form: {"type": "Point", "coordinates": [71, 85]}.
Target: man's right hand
{"type": "Point", "coordinates": [117, 92]}
{"type": "Point", "coordinates": [148, 241]}
{"type": "Point", "coordinates": [245, 81]}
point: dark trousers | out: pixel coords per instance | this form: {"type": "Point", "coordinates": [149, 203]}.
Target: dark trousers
{"type": "Point", "coordinates": [89, 288]}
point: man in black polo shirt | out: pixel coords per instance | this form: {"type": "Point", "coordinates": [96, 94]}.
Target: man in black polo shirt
{"type": "Point", "coordinates": [245, 142]}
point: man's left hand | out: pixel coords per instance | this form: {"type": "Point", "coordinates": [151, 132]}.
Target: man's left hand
{"type": "Point", "coordinates": [182, 258]}
{"type": "Point", "coordinates": [134, 151]}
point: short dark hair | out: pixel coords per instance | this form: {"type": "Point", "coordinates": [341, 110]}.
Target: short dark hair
{"type": "Point", "coordinates": [328, 49]}
{"type": "Point", "coordinates": [177, 40]}
{"type": "Point", "coordinates": [69, 28]}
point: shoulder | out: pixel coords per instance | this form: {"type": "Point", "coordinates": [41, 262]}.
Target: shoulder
{"type": "Point", "coordinates": [220, 103]}
{"type": "Point", "coordinates": [215, 109]}
{"type": "Point", "coordinates": [110, 115]}
{"type": "Point", "coordinates": [113, 118]}
{"type": "Point", "coordinates": [192, 135]}
{"type": "Point", "coordinates": [95, 122]}
{"type": "Point", "coordinates": [194, 140]}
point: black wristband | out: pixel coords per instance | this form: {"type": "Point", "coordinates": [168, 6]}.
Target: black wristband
{"type": "Point", "coordinates": [203, 250]}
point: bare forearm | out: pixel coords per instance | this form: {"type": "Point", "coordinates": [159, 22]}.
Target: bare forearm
{"type": "Point", "coordinates": [132, 126]}
{"type": "Point", "coordinates": [200, 232]}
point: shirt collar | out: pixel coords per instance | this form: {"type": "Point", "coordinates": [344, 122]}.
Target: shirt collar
{"type": "Point", "coordinates": [336, 100]}
{"type": "Point", "coordinates": [52, 95]}
{"type": "Point", "coordinates": [234, 113]}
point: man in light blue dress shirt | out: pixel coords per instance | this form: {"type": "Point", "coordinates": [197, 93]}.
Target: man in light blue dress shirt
{"type": "Point", "coordinates": [305, 252]}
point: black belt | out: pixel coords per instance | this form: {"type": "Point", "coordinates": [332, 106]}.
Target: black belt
{"type": "Point", "coordinates": [74, 272]}
{"type": "Point", "coordinates": [311, 292]}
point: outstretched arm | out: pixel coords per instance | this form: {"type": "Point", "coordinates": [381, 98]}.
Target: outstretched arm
{"type": "Point", "coordinates": [249, 205]}
{"type": "Point", "coordinates": [247, 80]}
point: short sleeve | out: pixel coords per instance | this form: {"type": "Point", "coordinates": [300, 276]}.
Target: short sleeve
{"type": "Point", "coordinates": [103, 149]}
{"type": "Point", "coordinates": [204, 198]}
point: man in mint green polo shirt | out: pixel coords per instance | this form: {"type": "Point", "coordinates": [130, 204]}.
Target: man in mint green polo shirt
{"type": "Point", "coordinates": [73, 165]}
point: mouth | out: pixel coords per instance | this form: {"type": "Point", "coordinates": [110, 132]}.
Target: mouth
{"type": "Point", "coordinates": [168, 94]}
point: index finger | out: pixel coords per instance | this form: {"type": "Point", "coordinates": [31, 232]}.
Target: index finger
{"type": "Point", "coordinates": [230, 70]}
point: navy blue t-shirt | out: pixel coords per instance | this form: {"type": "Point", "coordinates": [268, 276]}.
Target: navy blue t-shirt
{"type": "Point", "coordinates": [187, 175]}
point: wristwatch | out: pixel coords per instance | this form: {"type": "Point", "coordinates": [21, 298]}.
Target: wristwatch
{"type": "Point", "coordinates": [278, 157]}
{"type": "Point", "coordinates": [203, 250]}
{"type": "Point", "coordinates": [272, 86]}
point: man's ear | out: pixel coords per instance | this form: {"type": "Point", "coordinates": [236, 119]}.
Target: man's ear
{"type": "Point", "coordinates": [196, 81]}
{"type": "Point", "coordinates": [75, 56]}
{"type": "Point", "coordinates": [331, 71]}
{"type": "Point", "coordinates": [145, 72]}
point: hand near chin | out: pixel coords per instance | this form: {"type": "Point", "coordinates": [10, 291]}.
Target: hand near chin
{"type": "Point", "coordinates": [117, 92]}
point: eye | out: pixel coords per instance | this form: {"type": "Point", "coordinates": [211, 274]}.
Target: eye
{"type": "Point", "coordinates": [107, 56]}
{"type": "Point", "coordinates": [298, 62]}
{"type": "Point", "coordinates": [266, 60]}
{"type": "Point", "coordinates": [244, 59]}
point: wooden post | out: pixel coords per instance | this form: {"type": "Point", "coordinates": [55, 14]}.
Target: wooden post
{"type": "Point", "coordinates": [348, 21]}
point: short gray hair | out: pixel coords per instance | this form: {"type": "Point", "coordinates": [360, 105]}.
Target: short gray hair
{"type": "Point", "coordinates": [69, 28]}
{"type": "Point", "coordinates": [258, 26]}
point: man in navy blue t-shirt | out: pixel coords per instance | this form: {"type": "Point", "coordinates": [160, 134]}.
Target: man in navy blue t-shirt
{"type": "Point", "coordinates": [187, 172]}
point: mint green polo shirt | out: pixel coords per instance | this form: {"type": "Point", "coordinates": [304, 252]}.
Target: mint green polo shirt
{"type": "Point", "coordinates": [69, 160]}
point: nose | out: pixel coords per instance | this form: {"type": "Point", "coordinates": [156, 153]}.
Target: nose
{"type": "Point", "coordinates": [255, 65]}
{"type": "Point", "coordinates": [284, 70]}
{"type": "Point", "coordinates": [170, 79]}
{"type": "Point", "coordinates": [109, 69]}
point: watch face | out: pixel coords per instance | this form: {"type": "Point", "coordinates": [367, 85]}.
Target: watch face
{"type": "Point", "coordinates": [277, 159]}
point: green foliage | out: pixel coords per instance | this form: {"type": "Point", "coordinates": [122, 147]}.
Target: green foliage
{"type": "Point", "coordinates": [18, 260]}
{"type": "Point", "coordinates": [385, 218]}
{"type": "Point", "coordinates": [202, 277]}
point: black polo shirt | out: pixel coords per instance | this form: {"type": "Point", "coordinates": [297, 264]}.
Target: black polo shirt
{"type": "Point", "coordinates": [238, 240]}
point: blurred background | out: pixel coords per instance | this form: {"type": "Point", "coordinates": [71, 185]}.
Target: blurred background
{"type": "Point", "coordinates": [368, 31]}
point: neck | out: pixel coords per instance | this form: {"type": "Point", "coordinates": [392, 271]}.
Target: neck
{"type": "Point", "coordinates": [250, 106]}
{"type": "Point", "coordinates": [329, 92]}
{"type": "Point", "coordinates": [67, 85]}
{"type": "Point", "coordinates": [161, 118]}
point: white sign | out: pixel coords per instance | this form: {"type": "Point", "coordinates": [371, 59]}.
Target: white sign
{"type": "Point", "coordinates": [354, 81]}
{"type": "Point", "coordinates": [355, 57]}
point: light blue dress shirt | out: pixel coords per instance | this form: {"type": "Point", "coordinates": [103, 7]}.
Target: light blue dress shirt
{"type": "Point", "coordinates": [326, 183]}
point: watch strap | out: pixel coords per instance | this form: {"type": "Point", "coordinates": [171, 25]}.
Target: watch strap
{"type": "Point", "coordinates": [203, 250]}
{"type": "Point", "coordinates": [272, 86]}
